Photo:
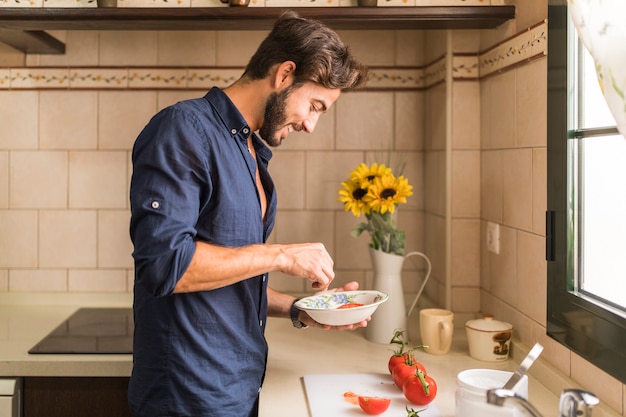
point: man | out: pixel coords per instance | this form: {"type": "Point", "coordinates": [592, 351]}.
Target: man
{"type": "Point", "coordinates": [203, 204]}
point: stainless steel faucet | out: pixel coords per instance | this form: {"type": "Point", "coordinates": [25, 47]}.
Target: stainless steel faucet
{"type": "Point", "coordinates": [573, 402]}
{"type": "Point", "coordinates": [576, 403]}
{"type": "Point", "coordinates": [500, 395]}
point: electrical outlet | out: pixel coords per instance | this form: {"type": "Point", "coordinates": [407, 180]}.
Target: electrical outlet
{"type": "Point", "coordinates": [493, 237]}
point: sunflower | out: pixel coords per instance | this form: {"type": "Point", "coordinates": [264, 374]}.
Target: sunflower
{"type": "Point", "coordinates": [352, 197]}
{"type": "Point", "coordinates": [375, 192]}
{"type": "Point", "coordinates": [365, 175]}
{"type": "Point", "coordinates": [387, 192]}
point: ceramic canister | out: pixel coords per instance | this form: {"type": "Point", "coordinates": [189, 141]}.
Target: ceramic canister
{"type": "Point", "coordinates": [489, 339]}
{"type": "Point", "coordinates": [471, 393]}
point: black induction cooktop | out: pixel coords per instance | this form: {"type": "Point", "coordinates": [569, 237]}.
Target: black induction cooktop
{"type": "Point", "coordinates": [91, 330]}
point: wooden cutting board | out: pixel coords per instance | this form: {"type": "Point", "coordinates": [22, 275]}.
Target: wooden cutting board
{"type": "Point", "coordinates": [325, 395]}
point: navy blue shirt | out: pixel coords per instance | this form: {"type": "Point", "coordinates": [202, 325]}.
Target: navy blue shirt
{"type": "Point", "coordinates": [203, 353]}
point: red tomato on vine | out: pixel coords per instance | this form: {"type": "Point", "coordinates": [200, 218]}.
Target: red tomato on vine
{"type": "Point", "coordinates": [419, 388]}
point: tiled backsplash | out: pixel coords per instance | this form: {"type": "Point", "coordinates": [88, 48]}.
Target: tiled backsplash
{"type": "Point", "coordinates": [68, 130]}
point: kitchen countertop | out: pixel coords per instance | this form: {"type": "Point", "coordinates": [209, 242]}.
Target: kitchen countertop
{"type": "Point", "coordinates": [293, 354]}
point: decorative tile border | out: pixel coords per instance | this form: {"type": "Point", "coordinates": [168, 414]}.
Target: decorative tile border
{"type": "Point", "coordinates": [523, 47]}
{"type": "Point", "coordinates": [102, 78]}
{"type": "Point", "coordinates": [465, 67]}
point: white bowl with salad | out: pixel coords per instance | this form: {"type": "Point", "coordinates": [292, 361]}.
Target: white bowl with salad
{"type": "Point", "coordinates": [342, 307]}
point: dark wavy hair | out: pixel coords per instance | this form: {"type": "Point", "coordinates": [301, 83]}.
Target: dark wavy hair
{"type": "Point", "coordinates": [320, 55]}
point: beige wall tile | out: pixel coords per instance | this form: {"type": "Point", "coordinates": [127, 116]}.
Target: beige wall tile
{"type": "Point", "coordinates": [4, 281]}
{"type": "Point", "coordinates": [491, 186]}
{"type": "Point", "coordinates": [11, 57]}
{"type": "Point", "coordinates": [38, 179]}
{"type": "Point", "coordinates": [517, 185]}
{"type": "Point", "coordinates": [364, 120]}
{"type": "Point", "coordinates": [465, 41]}
{"type": "Point", "coordinates": [98, 179]}
{"type": "Point", "coordinates": [372, 47]}
{"type": "Point", "coordinates": [97, 280]}
{"type": "Point", "coordinates": [114, 246]}
{"type": "Point", "coordinates": [409, 120]}
{"type": "Point", "coordinates": [532, 117]}
{"type": "Point", "coordinates": [465, 300]}
{"type": "Point", "coordinates": [18, 240]}
{"type": "Point", "coordinates": [67, 239]}
{"type": "Point", "coordinates": [4, 179]}
{"type": "Point", "coordinates": [437, 41]}
{"type": "Point", "coordinates": [38, 280]}
{"type": "Point", "coordinates": [19, 118]}
{"type": "Point", "coordinates": [531, 276]}
{"type": "Point", "coordinates": [504, 267]}
{"type": "Point", "coordinates": [557, 354]}
{"type": "Point", "coordinates": [140, 48]}
{"type": "Point", "coordinates": [306, 226]}
{"type": "Point", "coordinates": [325, 171]}
{"type": "Point", "coordinates": [540, 205]}
{"type": "Point", "coordinates": [235, 48]}
{"type": "Point", "coordinates": [71, 125]}
{"type": "Point", "coordinates": [436, 118]}
{"type": "Point", "coordinates": [288, 172]}
{"type": "Point", "coordinates": [466, 115]}
{"type": "Point", "coordinates": [350, 252]}
{"type": "Point", "coordinates": [503, 113]}
{"type": "Point", "coordinates": [435, 182]}
{"type": "Point", "coordinates": [193, 48]}
{"type": "Point", "coordinates": [465, 253]}
{"type": "Point", "coordinates": [465, 183]}
{"type": "Point", "coordinates": [121, 117]}
{"type": "Point", "coordinates": [81, 48]}
{"type": "Point", "coordinates": [410, 47]}
{"type": "Point", "coordinates": [529, 12]}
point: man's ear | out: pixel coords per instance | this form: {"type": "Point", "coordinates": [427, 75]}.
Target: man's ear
{"type": "Point", "coordinates": [284, 76]}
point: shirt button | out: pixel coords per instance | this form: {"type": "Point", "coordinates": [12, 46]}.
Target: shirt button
{"type": "Point", "coordinates": [264, 278]}
{"type": "Point", "coordinates": [155, 205]}
{"type": "Point", "coordinates": [233, 131]}
{"type": "Point", "coordinates": [261, 323]}
{"type": "Point", "coordinates": [246, 130]}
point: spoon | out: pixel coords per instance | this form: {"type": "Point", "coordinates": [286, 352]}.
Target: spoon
{"type": "Point", "coordinates": [523, 368]}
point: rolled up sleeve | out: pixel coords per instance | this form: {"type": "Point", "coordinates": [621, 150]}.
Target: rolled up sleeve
{"type": "Point", "coordinates": [167, 175]}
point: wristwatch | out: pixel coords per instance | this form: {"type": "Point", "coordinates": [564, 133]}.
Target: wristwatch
{"type": "Point", "coordinates": [294, 312]}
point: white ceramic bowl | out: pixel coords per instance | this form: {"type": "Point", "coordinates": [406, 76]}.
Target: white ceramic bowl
{"type": "Point", "coordinates": [471, 393]}
{"type": "Point", "coordinates": [324, 308]}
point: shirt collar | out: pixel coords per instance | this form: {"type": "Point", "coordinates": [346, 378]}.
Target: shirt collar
{"type": "Point", "coordinates": [234, 121]}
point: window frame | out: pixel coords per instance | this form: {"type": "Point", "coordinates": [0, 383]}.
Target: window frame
{"type": "Point", "coordinates": [585, 327]}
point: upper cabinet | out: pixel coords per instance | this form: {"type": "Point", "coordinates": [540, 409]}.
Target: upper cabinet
{"type": "Point", "coordinates": [24, 28]}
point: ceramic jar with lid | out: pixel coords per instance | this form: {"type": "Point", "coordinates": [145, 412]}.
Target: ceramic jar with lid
{"type": "Point", "coordinates": [489, 339]}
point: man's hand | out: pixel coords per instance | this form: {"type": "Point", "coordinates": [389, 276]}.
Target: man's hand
{"type": "Point", "coordinates": [306, 319]}
{"type": "Point", "coordinates": [310, 261]}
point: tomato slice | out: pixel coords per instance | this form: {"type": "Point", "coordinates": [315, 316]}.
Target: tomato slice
{"type": "Point", "coordinates": [374, 405]}
{"type": "Point", "coordinates": [349, 305]}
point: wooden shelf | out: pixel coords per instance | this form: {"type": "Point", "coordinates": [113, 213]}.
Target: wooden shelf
{"type": "Point", "coordinates": [32, 22]}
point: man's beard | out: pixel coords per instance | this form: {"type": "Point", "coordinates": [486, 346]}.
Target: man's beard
{"type": "Point", "coordinates": [275, 117]}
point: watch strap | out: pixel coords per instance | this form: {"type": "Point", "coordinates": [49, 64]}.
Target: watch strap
{"type": "Point", "coordinates": [294, 313]}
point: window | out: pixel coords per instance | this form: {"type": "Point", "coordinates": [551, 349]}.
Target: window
{"type": "Point", "coordinates": [586, 218]}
